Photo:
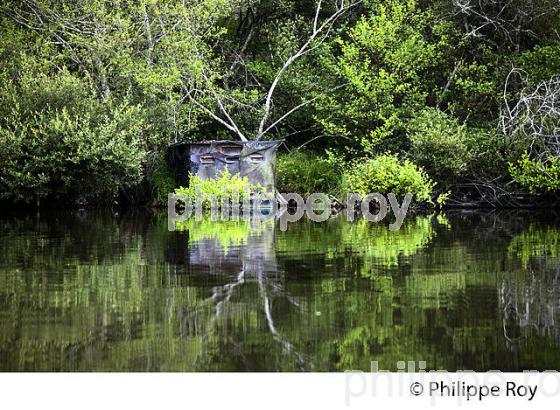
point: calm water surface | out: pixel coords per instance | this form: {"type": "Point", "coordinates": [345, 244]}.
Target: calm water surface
{"type": "Point", "coordinates": [98, 291]}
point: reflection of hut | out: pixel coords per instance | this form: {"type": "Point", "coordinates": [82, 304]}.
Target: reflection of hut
{"type": "Point", "coordinates": [245, 281]}
{"type": "Point", "coordinates": [252, 159]}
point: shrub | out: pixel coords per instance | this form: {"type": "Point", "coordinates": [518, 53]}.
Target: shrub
{"type": "Point", "coordinates": [161, 179]}
{"type": "Point", "coordinates": [438, 145]}
{"type": "Point", "coordinates": [306, 173]}
{"type": "Point", "coordinates": [58, 146]}
{"type": "Point", "coordinates": [489, 152]}
{"type": "Point", "coordinates": [542, 62]}
{"type": "Point", "coordinates": [226, 188]}
{"type": "Point", "coordinates": [64, 157]}
{"type": "Point", "coordinates": [386, 174]}
{"type": "Point", "coordinates": [537, 176]}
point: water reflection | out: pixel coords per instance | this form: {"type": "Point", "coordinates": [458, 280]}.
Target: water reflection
{"type": "Point", "coordinates": [245, 247]}
{"type": "Point", "coordinates": [529, 299]}
{"type": "Point", "coordinates": [97, 291]}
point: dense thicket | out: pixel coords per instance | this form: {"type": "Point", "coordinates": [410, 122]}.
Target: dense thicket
{"type": "Point", "coordinates": [92, 92]}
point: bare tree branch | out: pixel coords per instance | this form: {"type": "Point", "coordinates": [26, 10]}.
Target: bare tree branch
{"type": "Point", "coordinates": [317, 31]}
{"type": "Point", "coordinates": [230, 127]}
{"type": "Point", "coordinates": [512, 19]}
{"type": "Point", "coordinates": [297, 107]}
{"type": "Point", "coordinates": [535, 117]}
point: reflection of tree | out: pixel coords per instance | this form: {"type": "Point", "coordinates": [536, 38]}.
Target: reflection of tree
{"type": "Point", "coordinates": [427, 307]}
{"type": "Point", "coordinates": [248, 248]}
{"type": "Point", "coordinates": [382, 247]}
{"type": "Point", "coordinates": [369, 313]}
{"type": "Point", "coordinates": [529, 298]}
{"type": "Point", "coordinates": [78, 291]}
{"type": "Point", "coordinates": [234, 233]}
{"type": "Point", "coordinates": [373, 244]}
{"type": "Point", "coordinates": [535, 242]}
{"type": "Point", "coordinates": [99, 292]}
{"type": "Point", "coordinates": [530, 305]}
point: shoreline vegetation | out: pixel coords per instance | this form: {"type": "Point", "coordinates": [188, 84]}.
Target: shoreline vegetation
{"type": "Point", "coordinates": [456, 102]}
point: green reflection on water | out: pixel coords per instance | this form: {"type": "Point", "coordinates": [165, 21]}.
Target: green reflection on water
{"type": "Point", "coordinates": [121, 293]}
{"type": "Point", "coordinates": [535, 242]}
{"type": "Point", "coordinates": [228, 233]}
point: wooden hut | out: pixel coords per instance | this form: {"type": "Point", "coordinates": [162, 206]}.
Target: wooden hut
{"type": "Point", "coordinates": [255, 160]}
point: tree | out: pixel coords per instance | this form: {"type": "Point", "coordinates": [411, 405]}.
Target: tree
{"type": "Point", "coordinates": [389, 59]}
{"type": "Point", "coordinates": [532, 125]}
{"type": "Point", "coordinates": [509, 23]}
{"type": "Point", "coordinates": [213, 99]}
{"type": "Point", "coordinates": [154, 52]}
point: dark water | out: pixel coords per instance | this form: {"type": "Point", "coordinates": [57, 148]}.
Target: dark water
{"type": "Point", "coordinates": [96, 291]}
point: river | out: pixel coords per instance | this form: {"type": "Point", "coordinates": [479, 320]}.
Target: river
{"type": "Point", "coordinates": [107, 291]}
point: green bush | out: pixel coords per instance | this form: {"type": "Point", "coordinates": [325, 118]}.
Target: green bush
{"type": "Point", "coordinates": [385, 174]}
{"type": "Point", "coordinates": [438, 145]}
{"type": "Point", "coordinates": [57, 141]}
{"type": "Point", "coordinates": [226, 188]}
{"type": "Point", "coordinates": [161, 179]}
{"type": "Point", "coordinates": [537, 176]}
{"type": "Point", "coordinates": [489, 152]}
{"type": "Point", "coordinates": [305, 173]}
{"type": "Point", "coordinates": [541, 63]}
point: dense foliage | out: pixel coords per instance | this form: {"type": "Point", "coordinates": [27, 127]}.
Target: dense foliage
{"type": "Point", "coordinates": [387, 174]}
{"type": "Point", "coordinates": [92, 92]}
{"type": "Point", "coordinates": [307, 173]}
{"type": "Point", "coordinates": [226, 189]}
{"type": "Point", "coordinates": [439, 144]}
{"type": "Point", "coordinates": [58, 140]}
